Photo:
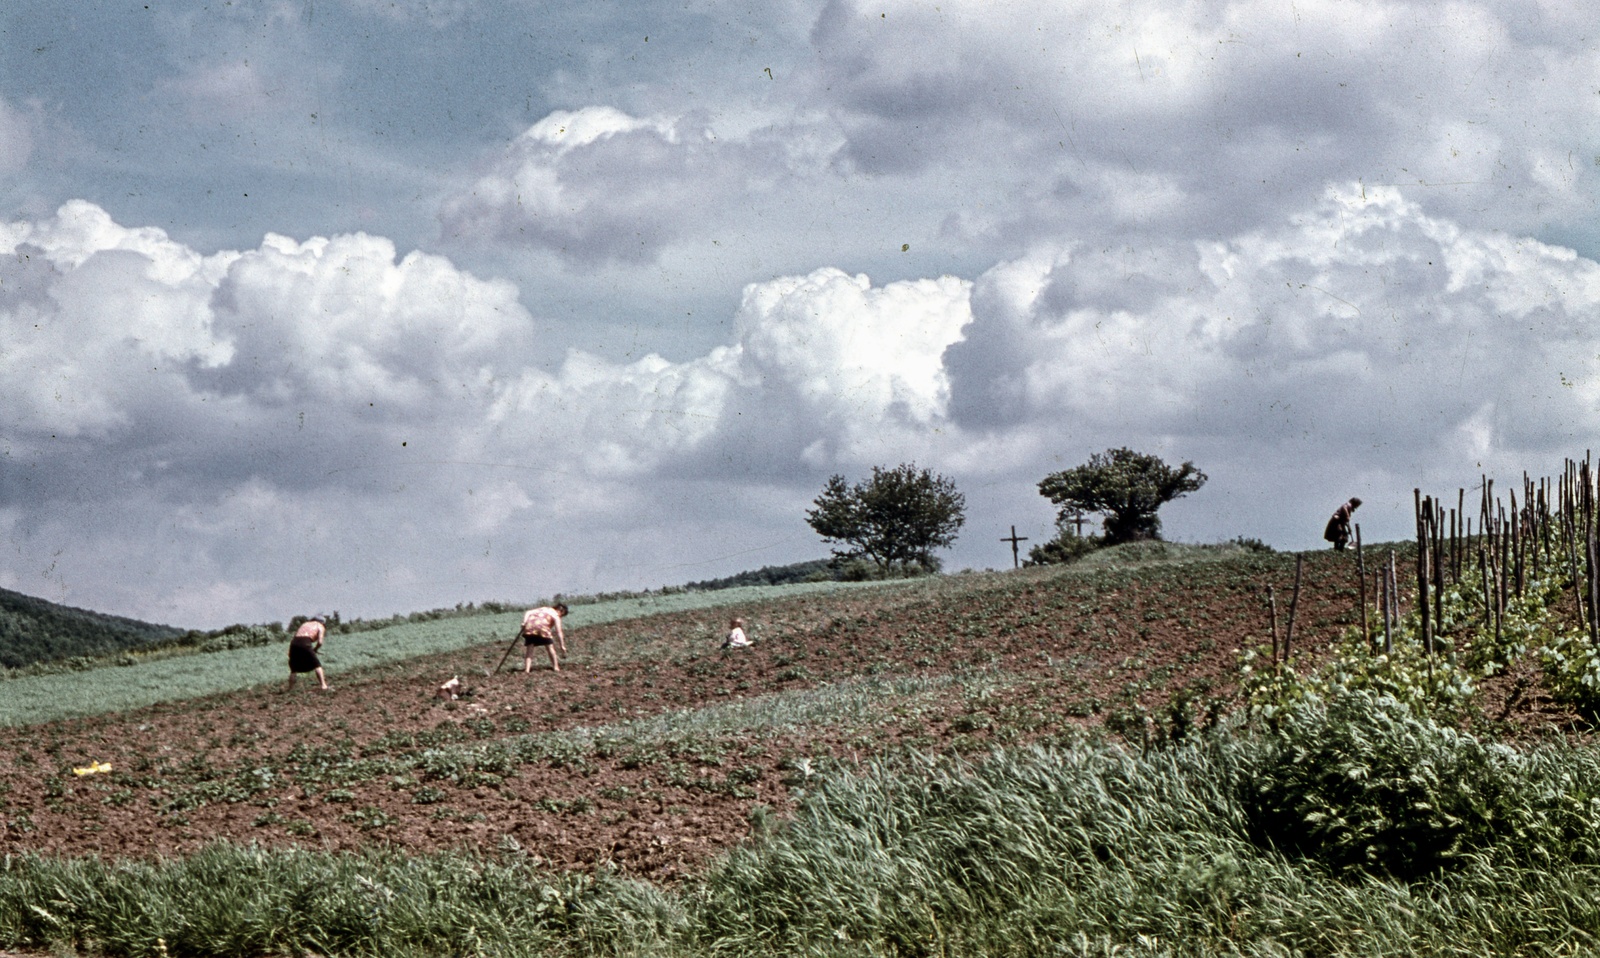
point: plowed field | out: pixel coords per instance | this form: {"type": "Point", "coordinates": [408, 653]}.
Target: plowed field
{"type": "Point", "coordinates": [653, 749]}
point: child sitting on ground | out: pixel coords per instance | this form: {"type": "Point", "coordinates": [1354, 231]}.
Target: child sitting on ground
{"type": "Point", "coordinates": [736, 638]}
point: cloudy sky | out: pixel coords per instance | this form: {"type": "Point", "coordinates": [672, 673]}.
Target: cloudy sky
{"type": "Point", "coordinates": [384, 305]}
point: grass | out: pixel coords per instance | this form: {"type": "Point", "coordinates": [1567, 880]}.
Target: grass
{"type": "Point", "coordinates": [1241, 840]}
{"type": "Point", "coordinates": [1090, 850]}
{"type": "Point", "coordinates": [34, 699]}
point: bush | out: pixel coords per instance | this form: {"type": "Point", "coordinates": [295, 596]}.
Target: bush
{"type": "Point", "coordinates": [1365, 784]}
{"type": "Point", "coordinates": [1572, 670]}
{"type": "Point", "coordinates": [1064, 548]}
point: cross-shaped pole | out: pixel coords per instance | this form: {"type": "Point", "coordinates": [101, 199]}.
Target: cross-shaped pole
{"type": "Point", "coordinates": [1078, 521]}
{"type": "Point", "coordinates": [1016, 560]}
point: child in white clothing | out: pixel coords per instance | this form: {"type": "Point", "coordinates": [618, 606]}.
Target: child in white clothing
{"type": "Point", "coordinates": [736, 637]}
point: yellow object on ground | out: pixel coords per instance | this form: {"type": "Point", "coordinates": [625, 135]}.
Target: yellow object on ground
{"type": "Point", "coordinates": [93, 769]}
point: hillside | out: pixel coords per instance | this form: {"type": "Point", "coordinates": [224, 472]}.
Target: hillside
{"type": "Point", "coordinates": [648, 750]}
{"type": "Point", "coordinates": [35, 630]}
{"type": "Point", "coordinates": [1045, 761]}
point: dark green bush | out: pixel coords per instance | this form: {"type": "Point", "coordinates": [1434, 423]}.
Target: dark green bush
{"type": "Point", "coordinates": [1364, 784]}
{"type": "Point", "coordinates": [1064, 548]}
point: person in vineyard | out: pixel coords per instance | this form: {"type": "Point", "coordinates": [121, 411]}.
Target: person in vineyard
{"type": "Point", "coordinates": [303, 651]}
{"type": "Point", "coordinates": [1338, 530]}
{"type": "Point", "coordinates": [542, 627]}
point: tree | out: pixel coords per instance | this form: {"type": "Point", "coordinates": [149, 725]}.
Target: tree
{"type": "Point", "coordinates": [896, 518]}
{"type": "Point", "coordinates": [1127, 487]}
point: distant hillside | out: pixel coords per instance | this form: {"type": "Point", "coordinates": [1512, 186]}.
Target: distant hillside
{"type": "Point", "coordinates": [35, 630]}
{"type": "Point", "coordinates": [816, 570]}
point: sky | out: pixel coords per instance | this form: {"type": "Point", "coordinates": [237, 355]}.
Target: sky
{"type": "Point", "coordinates": [376, 306]}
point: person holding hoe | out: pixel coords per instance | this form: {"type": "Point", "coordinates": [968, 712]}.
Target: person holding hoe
{"type": "Point", "coordinates": [303, 651]}
{"type": "Point", "coordinates": [542, 627]}
{"type": "Point", "coordinates": [1338, 530]}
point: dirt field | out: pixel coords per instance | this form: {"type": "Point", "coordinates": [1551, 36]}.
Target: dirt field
{"type": "Point", "coordinates": [1007, 658]}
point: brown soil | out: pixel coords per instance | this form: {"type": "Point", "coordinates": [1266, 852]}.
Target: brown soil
{"type": "Point", "coordinates": [1062, 652]}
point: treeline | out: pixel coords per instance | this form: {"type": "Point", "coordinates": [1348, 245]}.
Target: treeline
{"type": "Point", "coordinates": [37, 630]}
{"type": "Point", "coordinates": [816, 570]}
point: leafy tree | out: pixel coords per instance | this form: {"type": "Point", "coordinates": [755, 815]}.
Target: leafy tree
{"type": "Point", "coordinates": [895, 519]}
{"type": "Point", "coordinates": [1127, 487]}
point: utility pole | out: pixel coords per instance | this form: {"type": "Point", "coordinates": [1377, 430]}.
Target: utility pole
{"type": "Point", "coordinates": [1016, 560]}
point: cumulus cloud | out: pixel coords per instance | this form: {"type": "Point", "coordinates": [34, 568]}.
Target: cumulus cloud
{"type": "Point", "coordinates": [825, 369]}
{"type": "Point", "coordinates": [592, 185]}
{"type": "Point", "coordinates": [599, 186]}
{"type": "Point", "coordinates": [1199, 118]}
{"type": "Point", "coordinates": [856, 368]}
{"type": "Point", "coordinates": [389, 425]}
{"type": "Point", "coordinates": [1361, 341]}
{"type": "Point", "coordinates": [331, 400]}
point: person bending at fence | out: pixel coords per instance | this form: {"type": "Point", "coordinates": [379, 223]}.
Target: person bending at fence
{"type": "Point", "coordinates": [1338, 530]}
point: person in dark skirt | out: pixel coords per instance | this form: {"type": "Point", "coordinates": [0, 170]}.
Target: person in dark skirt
{"type": "Point", "coordinates": [1338, 528]}
{"type": "Point", "coordinates": [303, 651]}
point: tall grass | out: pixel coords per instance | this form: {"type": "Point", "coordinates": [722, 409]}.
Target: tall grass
{"type": "Point", "coordinates": [1095, 851]}
{"type": "Point", "coordinates": [231, 900]}
{"type": "Point", "coordinates": [1089, 850]}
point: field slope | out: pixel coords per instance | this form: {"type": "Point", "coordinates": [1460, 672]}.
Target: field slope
{"type": "Point", "coordinates": [649, 750]}
{"type": "Point", "coordinates": [1034, 762]}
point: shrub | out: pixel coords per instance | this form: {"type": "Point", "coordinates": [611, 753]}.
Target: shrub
{"type": "Point", "coordinates": [1066, 547]}
{"type": "Point", "coordinates": [1363, 783]}
{"type": "Point", "coordinates": [1572, 671]}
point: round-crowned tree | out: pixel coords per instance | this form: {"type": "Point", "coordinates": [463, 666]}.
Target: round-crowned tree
{"type": "Point", "coordinates": [1124, 486]}
{"type": "Point", "coordinates": [896, 519]}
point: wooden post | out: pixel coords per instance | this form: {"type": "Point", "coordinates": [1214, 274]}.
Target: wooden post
{"type": "Point", "coordinates": [1488, 597]}
{"type": "Point", "coordinates": [1380, 584]}
{"type": "Point", "coordinates": [1391, 612]}
{"type": "Point", "coordinates": [1016, 561]}
{"type": "Point", "coordinates": [1272, 610]}
{"type": "Point", "coordinates": [1294, 602]}
{"type": "Point", "coordinates": [1361, 577]}
{"type": "Point", "coordinates": [1440, 558]}
{"type": "Point", "coordinates": [1516, 546]}
{"type": "Point", "coordinates": [1422, 576]}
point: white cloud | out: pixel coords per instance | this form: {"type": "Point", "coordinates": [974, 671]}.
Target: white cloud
{"type": "Point", "coordinates": [1199, 115]}
{"type": "Point", "coordinates": [859, 367]}
{"type": "Point", "coordinates": [386, 426]}
{"type": "Point", "coordinates": [596, 185]}
{"type": "Point", "coordinates": [1127, 208]}
{"type": "Point", "coordinates": [1362, 341]}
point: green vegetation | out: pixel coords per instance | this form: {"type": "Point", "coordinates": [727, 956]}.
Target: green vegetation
{"type": "Point", "coordinates": [1128, 488]}
{"type": "Point", "coordinates": [1242, 842]}
{"type": "Point", "coordinates": [894, 520]}
{"type": "Point", "coordinates": [35, 630]}
{"type": "Point", "coordinates": [133, 679]}
{"type": "Point", "coordinates": [1357, 805]}
{"type": "Point", "coordinates": [815, 570]}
